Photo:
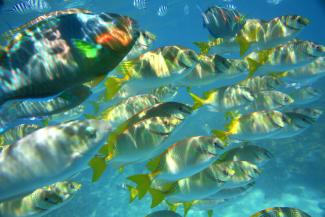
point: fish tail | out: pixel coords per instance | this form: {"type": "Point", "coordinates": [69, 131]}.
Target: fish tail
{"type": "Point", "coordinates": [223, 135]}
{"type": "Point", "coordinates": [157, 197]}
{"type": "Point", "coordinates": [203, 46]}
{"type": "Point", "coordinates": [143, 182]}
{"type": "Point", "coordinates": [133, 193]}
{"type": "Point", "coordinates": [210, 213]}
{"type": "Point", "coordinates": [198, 101]}
{"type": "Point", "coordinates": [244, 45]}
{"type": "Point", "coordinates": [98, 166]}
{"type": "Point", "coordinates": [187, 206]}
{"type": "Point", "coordinates": [113, 85]}
{"type": "Point", "coordinates": [252, 66]}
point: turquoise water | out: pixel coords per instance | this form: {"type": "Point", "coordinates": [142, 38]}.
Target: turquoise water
{"type": "Point", "coordinates": [294, 177]}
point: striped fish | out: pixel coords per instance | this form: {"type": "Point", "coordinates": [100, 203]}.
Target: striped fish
{"type": "Point", "coordinates": [162, 10]}
{"type": "Point", "coordinates": [24, 7]}
{"type": "Point", "coordinates": [140, 4]}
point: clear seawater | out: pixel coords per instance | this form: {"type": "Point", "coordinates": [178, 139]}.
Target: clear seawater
{"type": "Point", "coordinates": [295, 177]}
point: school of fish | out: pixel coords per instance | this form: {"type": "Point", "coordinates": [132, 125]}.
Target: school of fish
{"type": "Point", "coordinates": [60, 63]}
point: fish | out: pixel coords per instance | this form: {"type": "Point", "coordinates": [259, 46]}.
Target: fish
{"type": "Point", "coordinates": [306, 95]}
{"type": "Point", "coordinates": [7, 35]}
{"type": "Point", "coordinates": [308, 74]}
{"type": "Point", "coordinates": [142, 44]}
{"type": "Point", "coordinates": [163, 213]}
{"type": "Point", "coordinates": [294, 54]}
{"type": "Point", "coordinates": [255, 126]}
{"type": "Point", "coordinates": [43, 66]}
{"type": "Point", "coordinates": [41, 201]}
{"type": "Point", "coordinates": [161, 66]}
{"type": "Point", "coordinates": [67, 148]}
{"type": "Point", "coordinates": [140, 4]}
{"type": "Point", "coordinates": [216, 70]}
{"type": "Point", "coordinates": [27, 6]}
{"type": "Point", "coordinates": [257, 35]}
{"type": "Point", "coordinates": [247, 152]}
{"type": "Point", "coordinates": [272, 100]}
{"type": "Point", "coordinates": [281, 212]}
{"type": "Point", "coordinates": [30, 108]}
{"type": "Point", "coordinates": [313, 113]}
{"type": "Point", "coordinates": [127, 108]}
{"type": "Point", "coordinates": [137, 143]}
{"type": "Point", "coordinates": [262, 83]}
{"type": "Point", "coordinates": [162, 10]}
{"type": "Point", "coordinates": [230, 193]}
{"type": "Point", "coordinates": [298, 124]}
{"type": "Point", "coordinates": [185, 158]}
{"type": "Point", "coordinates": [165, 93]}
{"type": "Point", "coordinates": [16, 133]}
{"type": "Point", "coordinates": [224, 99]}
{"type": "Point", "coordinates": [209, 181]}
{"type": "Point", "coordinates": [223, 22]}
{"type": "Point", "coordinates": [72, 114]}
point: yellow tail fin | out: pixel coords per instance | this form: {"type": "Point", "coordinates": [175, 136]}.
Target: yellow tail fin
{"type": "Point", "coordinates": [143, 182]}
{"type": "Point", "coordinates": [252, 66]}
{"type": "Point", "coordinates": [244, 45]}
{"type": "Point", "coordinates": [113, 85]}
{"type": "Point", "coordinates": [157, 197]}
{"type": "Point", "coordinates": [203, 46]}
{"type": "Point", "coordinates": [187, 207]}
{"type": "Point", "coordinates": [98, 166]}
{"type": "Point", "coordinates": [210, 213]}
{"type": "Point", "coordinates": [133, 193]}
{"type": "Point", "coordinates": [198, 102]}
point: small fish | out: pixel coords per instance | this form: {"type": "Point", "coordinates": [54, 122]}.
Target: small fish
{"type": "Point", "coordinates": [67, 148]}
{"type": "Point", "coordinates": [198, 153]}
{"type": "Point", "coordinates": [224, 98]}
{"type": "Point", "coordinates": [29, 108]}
{"type": "Point", "coordinates": [298, 123]}
{"type": "Point", "coordinates": [257, 35]}
{"type": "Point", "coordinates": [16, 133]}
{"type": "Point", "coordinates": [284, 57]}
{"type": "Point", "coordinates": [28, 6]}
{"type": "Point", "coordinates": [271, 99]}
{"type": "Point", "coordinates": [281, 212]}
{"type": "Point", "coordinates": [41, 201]}
{"type": "Point", "coordinates": [216, 70]}
{"type": "Point", "coordinates": [223, 22]}
{"type": "Point", "coordinates": [310, 112]}
{"type": "Point", "coordinates": [255, 126]}
{"type": "Point", "coordinates": [308, 74]}
{"type": "Point", "coordinates": [163, 213]}
{"type": "Point", "coordinates": [306, 95]}
{"type": "Point", "coordinates": [262, 83]}
{"type": "Point", "coordinates": [140, 4]}
{"type": "Point", "coordinates": [127, 108]}
{"type": "Point", "coordinates": [162, 10]}
{"type": "Point", "coordinates": [162, 66]}
{"type": "Point", "coordinates": [246, 152]}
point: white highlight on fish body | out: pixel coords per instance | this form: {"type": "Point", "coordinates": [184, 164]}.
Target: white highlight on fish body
{"type": "Point", "coordinates": [48, 155]}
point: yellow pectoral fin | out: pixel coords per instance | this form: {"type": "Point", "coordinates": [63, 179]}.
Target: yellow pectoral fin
{"type": "Point", "coordinates": [172, 206]}
{"type": "Point", "coordinates": [244, 45]}
{"type": "Point", "coordinates": [143, 183]}
{"type": "Point", "coordinates": [113, 85]}
{"type": "Point", "coordinates": [203, 46]}
{"type": "Point", "coordinates": [96, 81]}
{"type": "Point", "coordinates": [153, 164]}
{"type": "Point", "coordinates": [98, 166]}
{"type": "Point", "coordinates": [223, 135]}
{"type": "Point", "coordinates": [157, 197]}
